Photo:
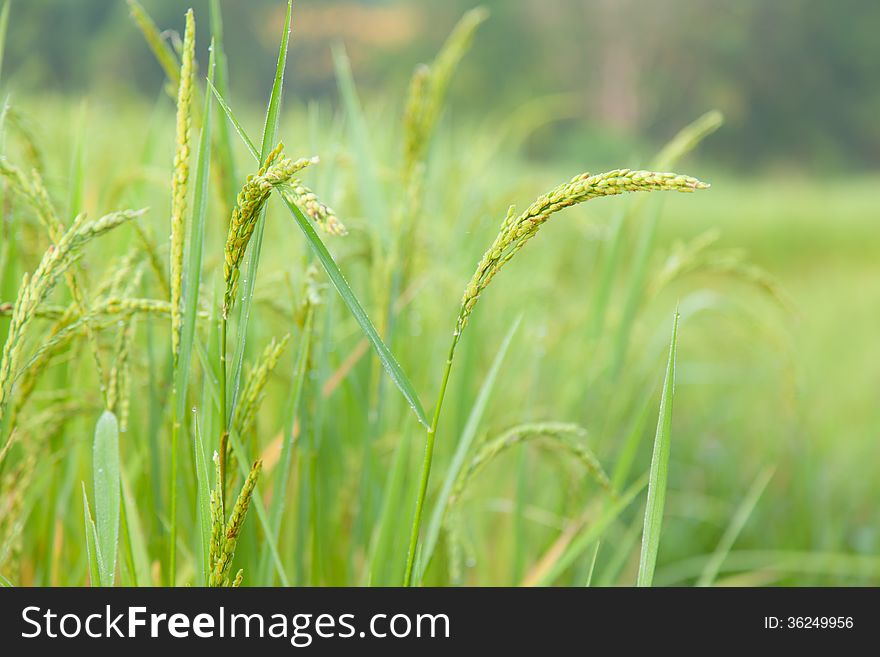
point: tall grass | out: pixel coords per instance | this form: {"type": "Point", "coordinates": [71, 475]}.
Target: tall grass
{"type": "Point", "coordinates": [252, 393]}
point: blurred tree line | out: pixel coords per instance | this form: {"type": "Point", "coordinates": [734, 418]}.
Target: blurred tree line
{"type": "Point", "coordinates": [798, 80]}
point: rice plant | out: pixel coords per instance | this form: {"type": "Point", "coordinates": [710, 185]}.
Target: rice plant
{"type": "Point", "coordinates": [222, 344]}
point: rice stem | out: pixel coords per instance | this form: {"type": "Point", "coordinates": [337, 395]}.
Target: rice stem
{"type": "Point", "coordinates": [426, 465]}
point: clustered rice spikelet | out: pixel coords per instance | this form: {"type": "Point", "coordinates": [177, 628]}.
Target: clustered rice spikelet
{"type": "Point", "coordinates": [306, 200]}
{"type": "Point", "coordinates": [276, 171]}
{"type": "Point", "coordinates": [180, 180]}
{"type": "Point", "coordinates": [516, 230]}
{"type": "Point", "coordinates": [224, 536]}
{"type": "Point", "coordinates": [254, 388]}
{"type": "Point", "coordinates": [36, 288]}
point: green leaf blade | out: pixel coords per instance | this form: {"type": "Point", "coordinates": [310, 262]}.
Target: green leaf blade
{"type": "Point", "coordinates": [657, 479]}
{"type": "Point", "coordinates": [105, 462]}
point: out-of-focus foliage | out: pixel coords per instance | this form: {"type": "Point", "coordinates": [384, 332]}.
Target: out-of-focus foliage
{"type": "Point", "coordinates": [797, 80]}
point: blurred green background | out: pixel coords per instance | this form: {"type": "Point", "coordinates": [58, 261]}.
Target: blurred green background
{"type": "Point", "coordinates": [549, 89]}
{"type": "Point", "coordinates": [796, 79]}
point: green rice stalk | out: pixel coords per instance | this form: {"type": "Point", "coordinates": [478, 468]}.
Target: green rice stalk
{"type": "Point", "coordinates": [516, 231]}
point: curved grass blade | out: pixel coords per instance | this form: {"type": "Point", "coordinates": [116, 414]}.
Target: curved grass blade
{"type": "Point", "coordinates": [4, 24]}
{"type": "Point", "coordinates": [593, 533]}
{"type": "Point", "coordinates": [389, 362]}
{"type": "Point", "coordinates": [157, 45]}
{"type": "Point", "coordinates": [589, 581]}
{"type": "Point", "coordinates": [135, 536]}
{"type": "Point", "coordinates": [369, 187]}
{"type": "Point", "coordinates": [737, 522]}
{"type": "Point", "coordinates": [225, 154]}
{"type": "Point", "coordinates": [203, 498]}
{"type": "Point", "coordinates": [279, 498]}
{"type": "Point", "coordinates": [659, 470]}
{"type": "Point", "coordinates": [93, 556]}
{"type": "Point", "coordinates": [105, 460]}
{"type": "Point", "coordinates": [384, 562]}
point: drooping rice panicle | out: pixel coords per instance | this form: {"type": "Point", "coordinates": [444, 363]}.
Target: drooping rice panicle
{"type": "Point", "coordinates": [428, 88]}
{"type": "Point", "coordinates": [564, 437]}
{"type": "Point", "coordinates": [36, 288]}
{"type": "Point", "coordinates": [254, 388]}
{"type": "Point", "coordinates": [153, 259]}
{"type": "Point", "coordinates": [159, 47]}
{"type": "Point", "coordinates": [220, 573]}
{"type": "Point", "coordinates": [180, 180]}
{"type": "Point", "coordinates": [118, 393]}
{"type": "Point", "coordinates": [517, 230]}
{"type": "Point", "coordinates": [276, 170]}
{"type": "Point", "coordinates": [103, 315]}
{"type": "Point", "coordinates": [32, 150]}
{"type": "Point", "coordinates": [414, 137]}
{"type": "Point", "coordinates": [307, 201]}
{"type": "Point", "coordinates": [35, 193]}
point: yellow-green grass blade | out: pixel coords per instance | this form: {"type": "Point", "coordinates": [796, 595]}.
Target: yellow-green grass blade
{"type": "Point", "coordinates": [589, 581]}
{"type": "Point", "coordinates": [195, 248]}
{"type": "Point", "coordinates": [224, 153]}
{"type": "Point", "coordinates": [279, 497]}
{"type": "Point", "coordinates": [864, 567]}
{"type": "Point", "coordinates": [369, 187]}
{"type": "Point", "coordinates": [135, 536]}
{"type": "Point", "coordinates": [248, 285]}
{"type": "Point", "coordinates": [468, 434]}
{"type": "Point", "coordinates": [592, 533]}
{"type": "Point", "coordinates": [680, 145]}
{"type": "Point", "coordinates": [737, 522]}
{"type": "Point", "coordinates": [158, 46]}
{"type": "Point", "coordinates": [77, 167]}
{"type": "Point", "coordinates": [386, 567]}
{"type": "Point", "coordinates": [93, 557]}
{"type": "Point", "coordinates": [105, 464]}
{"type": "Point", "coordinates": [203, 500]}
{"type": "Point", "coordinates": [4, 25]}
{"type": "Point", "coordinates": [389, 362]}
{"type": "Point", "coordinates": [657, 478]}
